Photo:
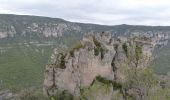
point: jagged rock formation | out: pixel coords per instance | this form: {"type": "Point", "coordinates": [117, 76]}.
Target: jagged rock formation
{"type": "Point", "coordinates": [96, 59]}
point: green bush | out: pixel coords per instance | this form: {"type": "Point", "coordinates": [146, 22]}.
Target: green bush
{"type": "Point", "coordinates": [138, 52]}
{"type": "Point", "coordinates": [125, 48]}
{"type": "Point", "coordinates": [99, 86]}
{"type": "Point", "coordinates": [98, 49]}
{"type": "Point", "coordinates": [64, 95]}
{"type": "Point", "coordinates": [141, 82]}
{"type": "Point", "coordinates": [116, 85]}
{"type": "Point", "coordinates": [62, 61]}
{"type": "Point", "coordinates": [116, 46]}
{"type": "Point", "coordinates": [103, 80]}
{"type": "Point", "coordinates": [113, 65]}
{"type": "Point", "coordinates": [107, 82]}
{"type": "Point", "coordinates": [76, 47]}
{"type": "Point", "coordinates": [52, 98]}
{"type": "Point", "coordinates": [102, 53]}
{"type": "Point", "coordinates": [97, 43]}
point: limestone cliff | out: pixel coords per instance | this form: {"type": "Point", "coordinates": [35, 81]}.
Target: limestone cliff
{"type": "Point", "coordinates": [7, 31]}
{"type": "Point", "coordinates": [96, 60]}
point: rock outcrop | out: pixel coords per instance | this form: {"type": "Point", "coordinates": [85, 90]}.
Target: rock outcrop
{"type": "Point", "coordinates": [46, 29]}
{"type": "Point", "coordinates": [6, 94]}
{"type": "Point", "coordinates": [96, 58]}
{"type": "Point", "coordinates": [7, 31]}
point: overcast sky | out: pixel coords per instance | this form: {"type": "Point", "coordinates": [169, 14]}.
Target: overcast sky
{"type": "Point", "coordinates": [108, 12]}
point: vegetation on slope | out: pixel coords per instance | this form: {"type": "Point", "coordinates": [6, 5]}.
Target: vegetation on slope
{"type": "Point", "coordinates": [98, 49]}
{"type": "Point", "coordinates": [22, 66]}
{"type": "Point", "coordinates": [161, 62]}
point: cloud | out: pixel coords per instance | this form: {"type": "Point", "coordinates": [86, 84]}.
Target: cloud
{"type": "Point", "coordinates": [108, 12]}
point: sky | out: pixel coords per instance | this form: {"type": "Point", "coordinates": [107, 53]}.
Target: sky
{"type": "Point", "coordinates": [106, 12]}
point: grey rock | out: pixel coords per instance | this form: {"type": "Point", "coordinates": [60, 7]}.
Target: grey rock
{"type": "Point", "coordinates": [6, 94]}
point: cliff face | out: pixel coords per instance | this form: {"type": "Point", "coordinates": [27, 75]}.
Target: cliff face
{"type": "Point", "coordinates": [45, 29]}
{"type": "Point", "coordinates": [7, 31]}
{"type": "Point", "coordinates": [97, 58]}
{"type": "Point", "coordinates": [31, 26]}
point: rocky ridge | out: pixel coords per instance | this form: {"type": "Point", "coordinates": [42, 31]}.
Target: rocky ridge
{"type": "Point", "coordinates": [46, 29]}
{"type": "Point", "coordinates": [26, 26]}
{"type": "Point", "coordinates": [97, 58]}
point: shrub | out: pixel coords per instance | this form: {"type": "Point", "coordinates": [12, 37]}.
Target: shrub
{"type": "Point", "coordinates": [103, 80]}
{"type": "Point", "coordinates": [102, 53]}
{"type": "Point", "coordinates": [115, 84]}
{"type": "Point", "coordinates": [141, 82]}
{"type": "Point", "coordinates": [76, 47]}
{"type": "Point", "coordinates": [52, 98]}
{"type": "Point", "coordinates": [113, 65]}
{"type": "Point", "coordinates": [138, 52]}
{"type": "Point", "coordinates": [65, 95]}
{"type": "Point", "coordinates": [62, 61]}
{"type": "Point", "coordinates": [98, 49]}
{"type": "Point", "coordinates": [116, 46]}
{"type": "Point", "coordinates": [97, 43]}
{"type": "Point", "coordinates": [125, 48]}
